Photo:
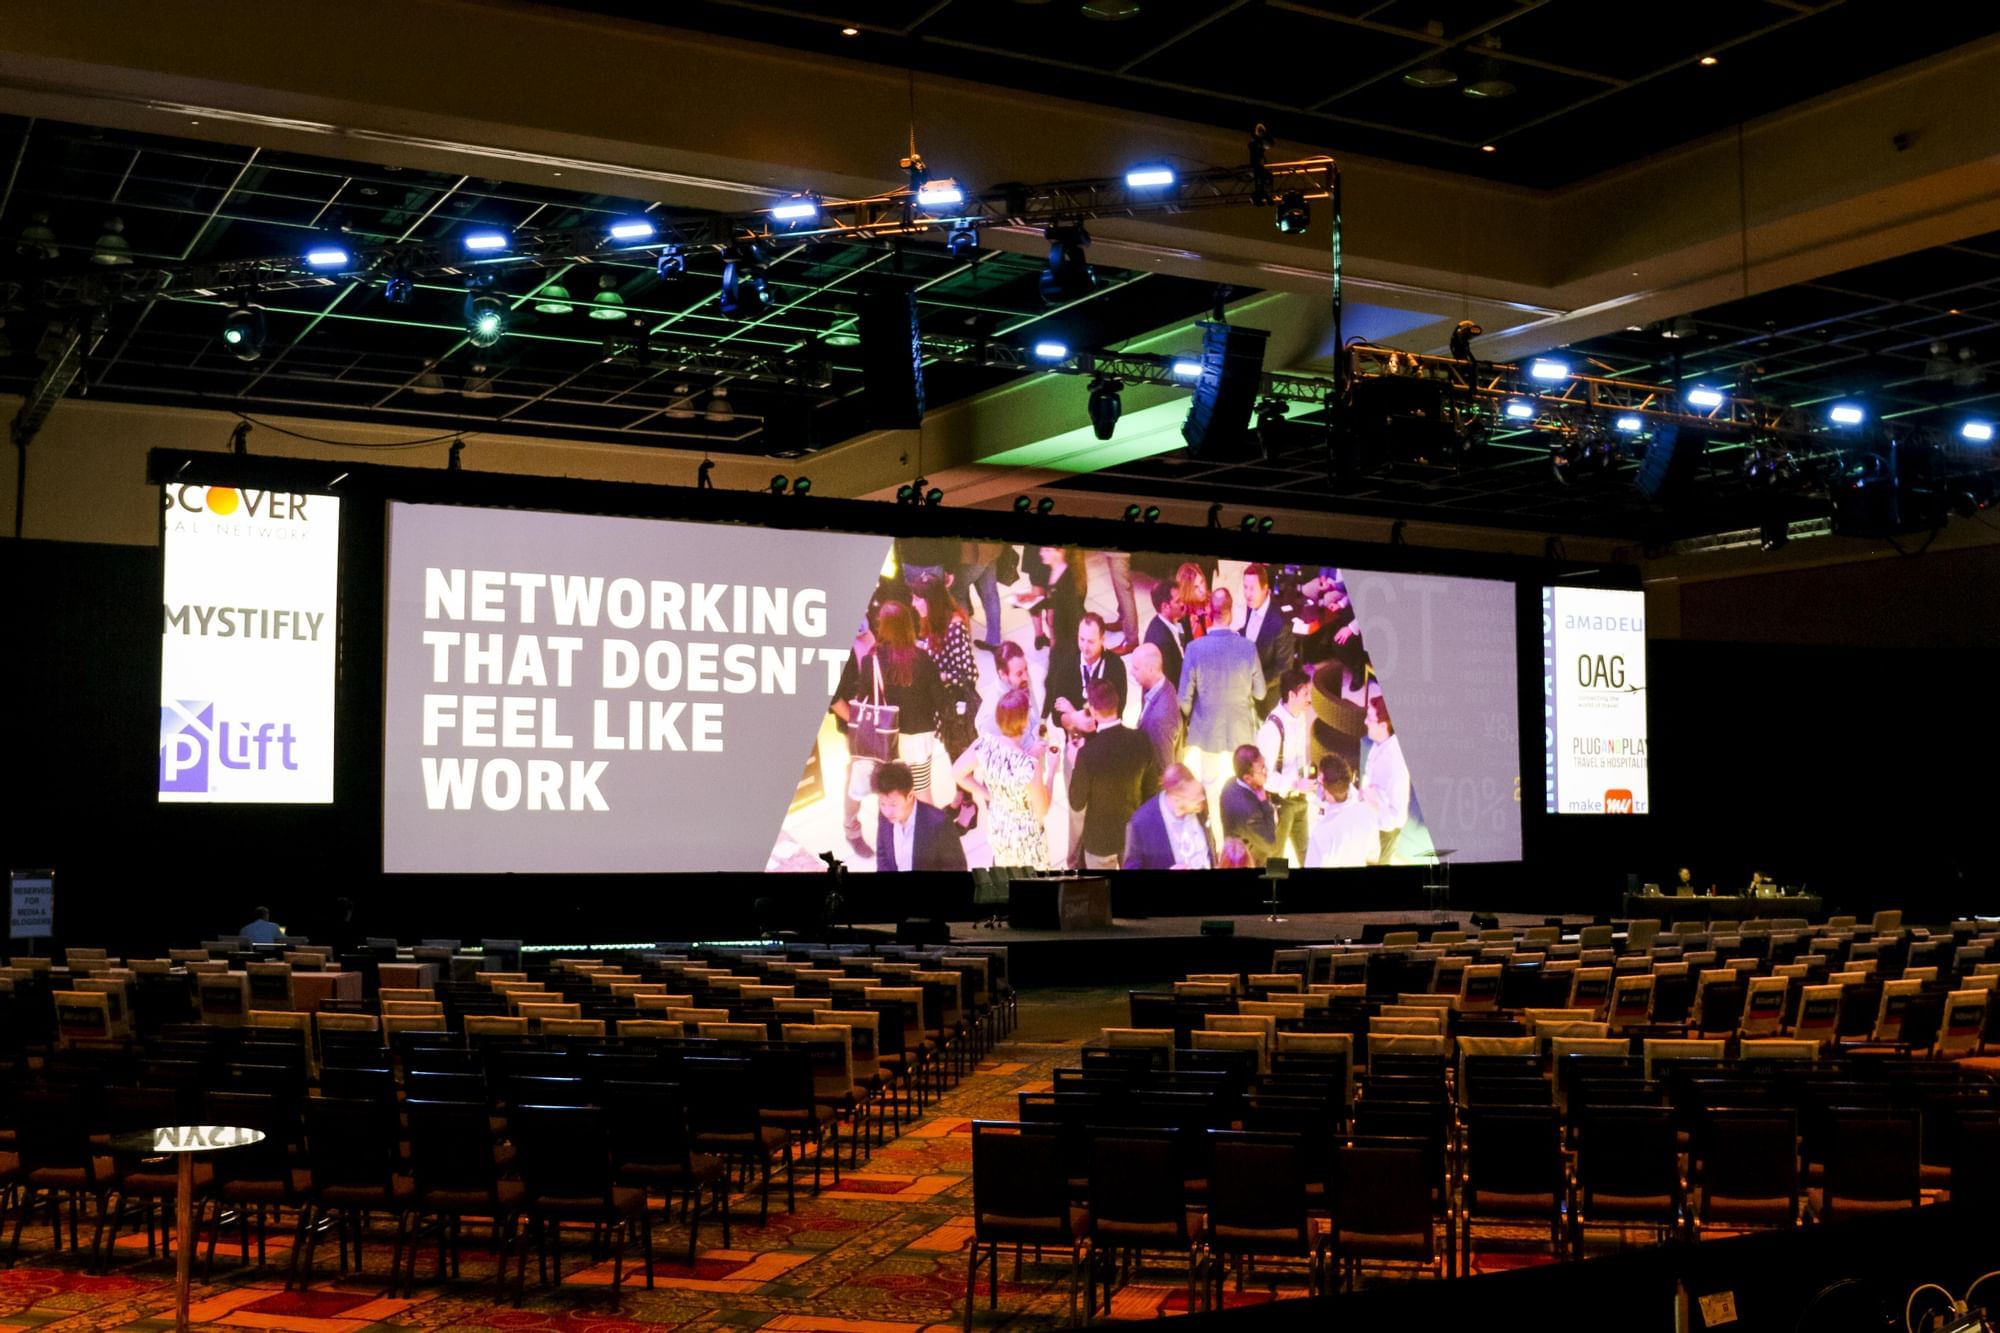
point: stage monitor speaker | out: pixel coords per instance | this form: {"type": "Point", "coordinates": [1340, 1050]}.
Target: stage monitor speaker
{"type": "Point", "coordinates": [892, 355]}
{"type": "Point", "coordinates": [1218, 927]}
{"type": "Point", "coordinates": [1232, 369]}
{"type": "Point", "coordinates": [1666, 473]}
{"type": "Point", "coordinates": [923, 930]}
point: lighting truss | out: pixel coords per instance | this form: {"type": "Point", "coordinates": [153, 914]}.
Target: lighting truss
{"type": "Point", "coordinates": [879, 217]}
{"type": "Point", "coordinates": [1132, 367]}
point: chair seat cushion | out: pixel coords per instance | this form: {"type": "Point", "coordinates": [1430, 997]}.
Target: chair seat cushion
{"type": "Point", "coordinates": [623, 1199]}
{"type": "Point", "coordinates": [1385, 1244]}
{"type": "Point", "coordinates": [1731, 1208]}
{"type": "Point", "coordinates": [1511, 1203]}
{"type": "Point", "coordinates": [1639, 1207]}
{"type": "Point", "coordinates": [267, 1191]}
{"type": "Point", "coordinates": [402, 1190]}
{"type": "Point", "coordinates": [506, 1195]}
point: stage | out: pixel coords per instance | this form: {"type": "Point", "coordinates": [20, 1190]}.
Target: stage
{"type": "Point", "coordinates": [1136, 951]}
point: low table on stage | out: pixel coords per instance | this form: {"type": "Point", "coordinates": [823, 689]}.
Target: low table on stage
{"type": "Point", "coordinates": [1668, 908]}
{"type": "Point", "coordinates": [1067, 903]}
{"type": "Point", "coordinates": [182, 1142]}
{"type": "Point", "coordinates": [311, 989]}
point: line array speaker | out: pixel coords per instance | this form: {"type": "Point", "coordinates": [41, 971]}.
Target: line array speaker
{"type": "Point", "coordinates": [892, 355]}
{"type": "Point", "coordinates": [1232, 366]}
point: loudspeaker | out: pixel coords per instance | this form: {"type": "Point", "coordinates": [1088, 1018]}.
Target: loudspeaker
{"type": "Point", "coordinates": [892, 354]}
{"type": "Point", "coordinates": [1232, 367]}
{"type": "Point", "coordinates": [1667, 470]}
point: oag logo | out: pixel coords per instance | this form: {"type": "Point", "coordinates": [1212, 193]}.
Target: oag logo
{"type": "Point", "coordinates": [192, 743]}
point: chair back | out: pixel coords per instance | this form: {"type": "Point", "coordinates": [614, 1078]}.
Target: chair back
{"type": "Point", "coordinates": [1479, 988]}
{"type": "Point", "coordinates": [1137, 1191]}
{"type": "Point", "coordinates": [451, 1148]}
{"type": "Point", "coordinates": [1631, 1000]}
{"type": "Point", "coordinates": [1764, 1007]}
{"type": "Point", "coordinates": [1590, 989]}
{"type": "Point", "coordinates": [223, 999]}
{"type": "Point", "coordinates": [1257, 1193]}
{"type": "Point", "coordinates": [562, 1152]}
{"type": "Point", "coordinates": [1963, 1023]}
{"type": "Point", "coordinates": [1223, 1039]}
{"type": "Point", "coordinates": [82, 1017]}
{"type": "Point", "coordinates": [1020, 1186]}
{"type": "Point", "coordinates": [1665, 1050]}
{"type": "Point", "coordinates": [353, 1142]}
{"type": "Point", "coordinates": [1896, 997]}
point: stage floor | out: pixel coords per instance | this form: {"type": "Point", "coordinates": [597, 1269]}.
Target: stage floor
{"type": "Point", "coordinates": [1296, 928]}
{"type": "Point", "coordinates": [1154, 950]}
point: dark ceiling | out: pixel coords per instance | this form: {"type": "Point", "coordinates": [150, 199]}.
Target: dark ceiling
{"type": "Point", "coordinates": [1570, 88]}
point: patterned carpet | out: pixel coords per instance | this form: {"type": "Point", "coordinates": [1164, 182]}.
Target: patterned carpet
{"type": "Point", "coordinates": [883, 1253]}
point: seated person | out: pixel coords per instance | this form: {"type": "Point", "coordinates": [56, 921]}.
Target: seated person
{"type": "Point", "coordinates": [263, 930]}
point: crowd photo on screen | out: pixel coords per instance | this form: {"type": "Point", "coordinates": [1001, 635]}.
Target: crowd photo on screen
{"type": "Point", "coordinates": [1052, 708]}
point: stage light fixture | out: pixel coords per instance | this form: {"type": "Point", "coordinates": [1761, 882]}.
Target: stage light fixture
{"type": "Point", "coordinates": [553, 299]}
{"type": "Point", "coordinates": [1519, 409]}
{"type": "Point", "coordinates": [243, 332]}
{"type": "Point", "coordinates": [1152, 513]}
{"type": "Point", "coordinates": [1149, 176]}
{"type": "Point", "coordinates": [672, 264]}
{"type": "Point", "coordinates": [609, 303]}
{"type": "Point", "coordinates": [1068, 275]}
{"type": "Point", "coordinates": [485, 319]}
{"type": "Point", "coordinates": [719, 409]}
{"type": "Point", "coordinates": [1249, 523]}
{"type": "Point", "coordinates": [1050, 350]}
{"type": "Point", "coordinates": [802, 485]}
{"type": "Point", "coordinates": [779, 482]}
{"type": "Point", "coordinates": [1979, 432]}
{"type": "Point", "coordinates": [1132, 513]}
{"type": "Point", "coordinates": [799, 208]}
{"type": "Point", "coordinates": [485, 241]}
{"type": "Point", "coordinates": [1846, 414]}
{"type": "Point", "coordinates": [906, 494]}
{"type": "Point", "coordinates": [1703, 396]}
{"type": "Point", "coordinates": [399, 288]}
{"type": "Point", "coordinates": [934, 497]}
{"type": "Point", "coordinates": [1046, 505]}
{"type": "Point", "coordinates": [934, 195]}
{"type": "Point", "coordinates": [1294, 213]}
{"type": "Point", "coordinates": [962, 241]}
{"type": "Point", "coordinates": [1107, 401]}
{"type": "Point", "coordinates": [631, 231]}
{"type": "Point", "coordinates": [328, 255]}
{"type": "Point", "coordinates": [1629, 424]}
{"type": "Point", "coordinates": [745, 289]}
{"type": "Point", "coordinates": [1547, 370]}
{"type": "Point", "coordinates": [112, 248]}
{"type": "Point", "coordinates": [1187, 370]}
{"type": "Point", "coordinates": [1266, 523]}
{"type": "Point", "coordinates": [1022, 504]}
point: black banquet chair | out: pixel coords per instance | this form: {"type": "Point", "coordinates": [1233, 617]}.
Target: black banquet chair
{"type": "Point", "coordinates": [1020, 1197]}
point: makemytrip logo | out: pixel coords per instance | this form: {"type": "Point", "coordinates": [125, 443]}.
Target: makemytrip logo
{"type": "Point", "coordinates": [1618, 801]}
{"type": "Point", "coordinates": [193, 745]}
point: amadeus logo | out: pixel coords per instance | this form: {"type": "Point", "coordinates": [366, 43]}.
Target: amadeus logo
{"type": "Point", "coordinates": [191, 741]}
{"type": "Point", "coordinates": [1618, 801]}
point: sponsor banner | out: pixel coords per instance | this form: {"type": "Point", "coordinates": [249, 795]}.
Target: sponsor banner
{"type": "Point", "coordinates": [1594, 700]}
{"type": "Point", "coordinates": [249, 624]}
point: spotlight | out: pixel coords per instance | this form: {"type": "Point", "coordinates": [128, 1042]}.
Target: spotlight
{"type": "Point", "coordinates": [1132, 513]}
{"type": "Point", "coordinates": [1051, 350]}
{"type": "Point", "coordinates": [718, 408]}
{"type": "Point", "coordinates": [797, 209]}
{"type": "Point", "coordinates": [1106, 402]}
{"type": "Point", "coordinates": [485, 320]}
{"type": "Point", "coordinates": [1294, 214]}
{"type": "Point", "coordinates": [1542, 368]}
{"type": "Point", "coordinates": [934, 195]}
{"type": "Point", "coordinates": [1702, 396]}
{"type": "Point", "coordinates": [1266, 523]}
{"type": "Point", "coordinates": [745, 290]}
{"type": "Point", "coordinates": [328, 256]}
{"type": "Point", "coordinates": [1152, 513]}
{"type": "Point", "coordinates": [963, 240]}
{"type": "Point", "coordinates": [1187, 370]}
{"type": "Point", "coordinates": [779, 482]}
{"type": "Point", "coordinates": [608, 303]}
{"type": "Point", "coordinates": [1979, 432]}
{"type": "Point", "coordinates": [1249, 523]}
{"type": "Point", "coordinates": [485, 241]}
{"type": "Point", "coordinates": [802, 486]}
{"type": "Point", "coordinates": [1068, 276]}
{"type": "Point", "coordinates": [1022, 504]}
{"type": "Point", "coordinates": [935, 497]}
{"type": "Point", "coordinates": [1629, 424]}
{"type": "Point", "coordinates": [633, 230]}
{"type": "Point", "coordinates": [243, 332]}
{"type": "Point", "coordinates": [1846, 414]}
{"type": "Point", "coordinates": [906, 494]}
{"type": "Point", "coordinates": [1149, 176]}
{"type": "Point", "coordinates": [1046, 505]}
{"type": "Point", "coordinates": [672, 264]}
{"type": "Point", "coordinates": [112, 249]}
{"type": "Point", "coordinates": [399, 287]}
{"type": "Point", "coordinates": [553, 299]}
{"type": "Point", "coordinates": [1520, 409]}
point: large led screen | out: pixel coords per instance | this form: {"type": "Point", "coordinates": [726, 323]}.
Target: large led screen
{"type": "Point", "coordinates": [1594, 701]}
{"type": "Point", "coordinates": [250, 617]}
{"type": "Point", "coordinates": [575, 693]}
